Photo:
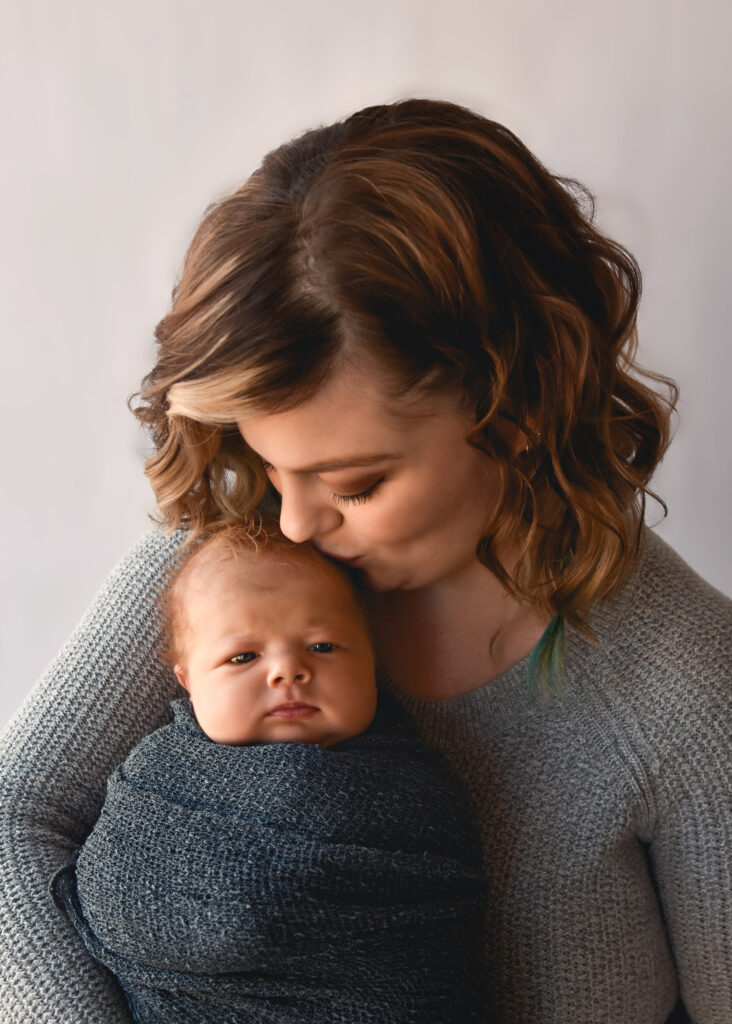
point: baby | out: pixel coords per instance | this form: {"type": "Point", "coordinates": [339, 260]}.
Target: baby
{"type": "Point", "coordinates": [271, 646]}
{"type": "Point", "coordinates": [286, 849]}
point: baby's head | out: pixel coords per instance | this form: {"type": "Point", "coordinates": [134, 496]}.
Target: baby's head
{"type": "Point", "coordinates": [269, 641]}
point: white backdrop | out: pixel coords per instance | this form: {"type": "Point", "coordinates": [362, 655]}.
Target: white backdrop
{"type": "Point", "coordinates": [120, 122]}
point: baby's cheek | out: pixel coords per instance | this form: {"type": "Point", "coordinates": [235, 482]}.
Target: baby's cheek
{"type": "Point", "coordinates": [359, 707]}
{"type": "Point", "coordinates": [224, 719]}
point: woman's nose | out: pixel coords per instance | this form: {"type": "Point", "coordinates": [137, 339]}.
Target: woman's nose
{"type": "Point", "coordinates": [304, 516]}
{"type": "Point", "coordinates": [288, 669]}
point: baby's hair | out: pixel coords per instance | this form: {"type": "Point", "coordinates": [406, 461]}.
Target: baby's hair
{"type": "Point", "coordinates": [250, 535]}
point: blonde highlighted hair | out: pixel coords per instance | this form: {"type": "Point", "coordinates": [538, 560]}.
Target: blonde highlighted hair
{"type": "Point", "coordinates": [430, 237]}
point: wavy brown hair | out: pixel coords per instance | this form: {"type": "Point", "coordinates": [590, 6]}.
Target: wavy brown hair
{"type": "Point", "coordinates": [431, 237]}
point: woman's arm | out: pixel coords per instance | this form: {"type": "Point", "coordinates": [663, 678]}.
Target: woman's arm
{"type": "Point", "coordinates": [672, 692]}
{"type": "Point", "coordinates": [691, 851]}
{"type": "Point", "coordinates": [105, 690]}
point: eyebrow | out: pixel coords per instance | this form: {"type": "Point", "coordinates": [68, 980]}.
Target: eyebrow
{"type": "Point", "coordinates": [347, 462]}
{"type": "Point", "coordinates": [236, 639]}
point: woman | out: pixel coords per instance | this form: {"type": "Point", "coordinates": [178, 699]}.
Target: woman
{"type": "Point", "coordinates": [404, 330]}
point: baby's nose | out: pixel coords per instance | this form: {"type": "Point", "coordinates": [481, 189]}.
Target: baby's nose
{"type": "Point", "coordinates": [288, 669]}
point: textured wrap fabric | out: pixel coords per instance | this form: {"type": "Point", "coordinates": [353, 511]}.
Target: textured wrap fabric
{"type": "Point", "coordinates": [282, 882]}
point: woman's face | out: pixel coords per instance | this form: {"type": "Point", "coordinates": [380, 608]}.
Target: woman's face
{"type": "Point", "coordinates": [389, 486]}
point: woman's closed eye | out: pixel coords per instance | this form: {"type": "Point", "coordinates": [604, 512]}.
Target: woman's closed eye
{"type": "Point", "coordinates": [360, 496]}
{"type": "Point", "coordinates": [341, 499]}
{"type": "Point", "coordinates": [244, 658]}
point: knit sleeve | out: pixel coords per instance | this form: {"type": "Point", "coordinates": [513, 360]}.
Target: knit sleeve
{"type": "Point", "coordinates": [104, 691]}
{"type": "Point", "coordinates": [691, 849]}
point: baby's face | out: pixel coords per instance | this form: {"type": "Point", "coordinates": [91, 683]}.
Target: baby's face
{"type": "Point", "coordinates": [275, 650]}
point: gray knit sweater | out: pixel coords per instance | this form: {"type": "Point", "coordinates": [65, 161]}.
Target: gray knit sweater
{"type": "Point", "coordinates": [606, 812]}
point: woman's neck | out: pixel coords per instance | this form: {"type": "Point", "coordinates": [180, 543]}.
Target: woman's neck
{"type": "Point", "coordinates": [452, 637]}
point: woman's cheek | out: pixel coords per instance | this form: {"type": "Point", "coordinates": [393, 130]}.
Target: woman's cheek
{"type": "Point", "coordinates": [405, 519]}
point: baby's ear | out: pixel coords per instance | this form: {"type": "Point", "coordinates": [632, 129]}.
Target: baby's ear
{"type": "Point", "coordinates": [178, 669]}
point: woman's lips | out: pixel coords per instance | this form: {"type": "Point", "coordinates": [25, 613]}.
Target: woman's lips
{"type": "Point", "coordinates": [340, 558]}
{"type": "Point", "coordinates": [292, 710]}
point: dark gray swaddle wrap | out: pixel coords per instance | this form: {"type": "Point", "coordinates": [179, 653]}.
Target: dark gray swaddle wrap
{"type": "Point", "coordinates": [282, 882]}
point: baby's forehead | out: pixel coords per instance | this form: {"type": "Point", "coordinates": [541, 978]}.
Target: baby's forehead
{"type": "Point", "coordinates": [265, 568]}
{"type": "Point", "coordinates": [223, 574]}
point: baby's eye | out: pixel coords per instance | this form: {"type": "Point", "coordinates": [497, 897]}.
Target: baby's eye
{"type": "Point", "coordinates": [323, 648]}
{"type": "Point", "coordinates": [242, 659]}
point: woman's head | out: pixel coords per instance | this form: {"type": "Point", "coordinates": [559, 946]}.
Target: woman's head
{"type": "Point", "coordinates": [425, 242]}
{"type": "Point", "coordinates": [386, 483]}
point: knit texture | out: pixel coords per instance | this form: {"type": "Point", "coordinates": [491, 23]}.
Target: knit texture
{"type": "Point", "coordinates": [281, 882]}
{"type": "Point", "coordinates": [606, 812]}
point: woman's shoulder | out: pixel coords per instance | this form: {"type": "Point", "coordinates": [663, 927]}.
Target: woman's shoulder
{"type": "Point", "coordinates": [147, 561]}
{"type": "Point", "coordinates": [105, 689]}
{"type": "Point", "coordinates": [662, 664]}
{"type": "Point", "coordinates": [666, 582]}
{"type": "Point", "coordinates": [667, 615]}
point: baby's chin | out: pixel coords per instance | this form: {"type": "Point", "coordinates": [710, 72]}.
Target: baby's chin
{"type": "Point", "coordinates": [323, 738]}
{"type": "Point", "coordinates": [320, 728]}
{"type": "Point", "coordinates": [318, 738]}
{"type": "Point", "coordinates": [312, 729]}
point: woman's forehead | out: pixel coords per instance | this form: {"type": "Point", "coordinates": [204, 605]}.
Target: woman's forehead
{"type": "Point", "coordinates": [350, 422]}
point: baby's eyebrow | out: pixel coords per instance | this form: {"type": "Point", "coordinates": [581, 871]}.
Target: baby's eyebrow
{"type": "Point", "coordinates": [237, 640]}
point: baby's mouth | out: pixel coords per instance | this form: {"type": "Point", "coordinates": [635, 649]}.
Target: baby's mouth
{"type": "Point", "coordinates": [292, 709]}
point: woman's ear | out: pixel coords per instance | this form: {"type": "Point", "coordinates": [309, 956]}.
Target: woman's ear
{"type": "Point", "coordinates": [178, 669]}
{"type": "Point", "coordinates": [522, 437]}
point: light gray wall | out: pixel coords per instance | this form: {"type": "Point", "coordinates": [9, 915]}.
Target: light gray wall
{"type": "Point", "coordinates": [120, 122]}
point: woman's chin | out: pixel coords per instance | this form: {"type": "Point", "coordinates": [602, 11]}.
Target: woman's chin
{"type": "Point", "coordinates": [379, 581]}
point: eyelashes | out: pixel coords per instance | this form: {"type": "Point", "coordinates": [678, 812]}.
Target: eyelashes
{"type": "Point", "coordinates": [357, 499]}
{"type": "Point", "coordinates": [319, 647]}
{"type": "Point", "coordinates": [344, 499]}
{"type": "Point", "coordinates": [243, 658]}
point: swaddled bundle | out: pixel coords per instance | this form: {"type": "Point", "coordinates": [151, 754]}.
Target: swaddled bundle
{"type": "Point", "coordinates": [284, 882]}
